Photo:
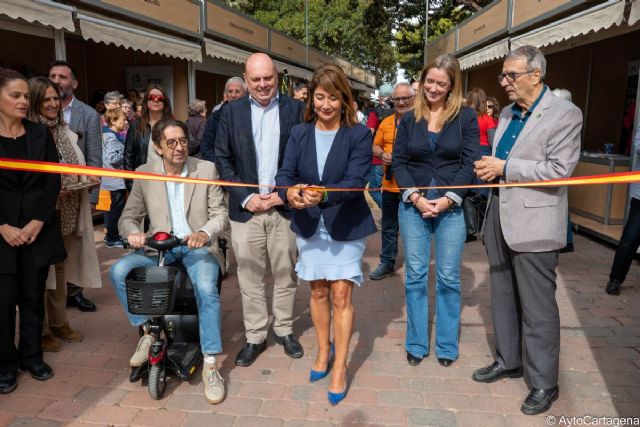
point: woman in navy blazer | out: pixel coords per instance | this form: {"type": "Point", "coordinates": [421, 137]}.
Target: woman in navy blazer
{"type": "Point", "coordinates": [329, 150]}
{"type": "Point", "coordinates": [436, 145]}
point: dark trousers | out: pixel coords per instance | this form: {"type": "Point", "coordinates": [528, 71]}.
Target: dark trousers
{"type": "Point", "coordinates": [628, 245]}
{"type": "Point", "coordinates": [118, 199]}
{"type": "Point", "coordinates": [389, 222]}
{"type": "Point", "coordinates": [24, 289]}
{"type": "Point", "coordinates": [523, 305]}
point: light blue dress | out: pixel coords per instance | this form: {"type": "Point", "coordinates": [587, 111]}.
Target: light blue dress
{"type": "Point", "coordinates": [320, 257]}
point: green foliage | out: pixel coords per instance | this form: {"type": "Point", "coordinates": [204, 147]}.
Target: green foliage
{"type": "Point", "coordinates": [377, 34]}
{"type": "Point", "coordinates": [358, 30]}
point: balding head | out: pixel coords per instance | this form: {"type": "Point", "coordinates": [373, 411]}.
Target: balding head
{"type": "Point", "coordinates": [261, 77]}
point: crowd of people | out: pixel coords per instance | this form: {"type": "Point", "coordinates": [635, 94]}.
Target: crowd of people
{"type": "Point", "coordinates": [295, 154]}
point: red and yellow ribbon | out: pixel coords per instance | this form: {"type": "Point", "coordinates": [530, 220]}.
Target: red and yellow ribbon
{"type": "Point", "coordinates": [61, 168]}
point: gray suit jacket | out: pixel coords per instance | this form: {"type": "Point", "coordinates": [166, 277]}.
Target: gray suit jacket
{"type": "Point", "coordinates": [535, 219]}
{"type": "Point", "coordinates": [204, 204]}
{"type": "Point", "coordinates": [85, 121]}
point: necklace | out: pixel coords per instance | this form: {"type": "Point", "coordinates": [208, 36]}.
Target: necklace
{"type": "Point", "coordinates": [10, 134]}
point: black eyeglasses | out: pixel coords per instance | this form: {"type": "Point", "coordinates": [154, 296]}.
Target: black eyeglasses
{"type": "Point", "coordinates": [172, 143]}
{"type": "Point", "coordinates": [512, 77]}
{"type": "Point", "coordinates": [402, 99]}
{"type": "Point", "coordinates": [490, 107]}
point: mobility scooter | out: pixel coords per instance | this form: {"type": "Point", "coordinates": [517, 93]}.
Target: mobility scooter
{"type": "Point", "coordinates": [165, 293]}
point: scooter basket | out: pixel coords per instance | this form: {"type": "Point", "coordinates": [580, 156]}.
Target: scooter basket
{"type": "Point", "coordinates": [151, 290]}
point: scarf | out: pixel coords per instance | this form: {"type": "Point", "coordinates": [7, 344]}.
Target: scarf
{"type": "Point", "coordinates": [68, 203]}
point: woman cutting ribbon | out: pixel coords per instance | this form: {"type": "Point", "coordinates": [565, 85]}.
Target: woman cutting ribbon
{"type": "Point", "coordinates": [329, 150]}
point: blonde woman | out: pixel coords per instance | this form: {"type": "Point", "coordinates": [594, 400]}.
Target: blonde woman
{"type": "Point", "coordinates": [436, 145]}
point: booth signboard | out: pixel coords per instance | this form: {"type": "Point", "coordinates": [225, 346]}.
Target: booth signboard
{"type": "Point", "coordinates": [358, 73]}
{"type": "Point", "coordinates": [231, 24]}
{"type": "Point", "coordinates": [183, 15]}
{"type": "Point", "coordinates": [370, 79]}
{"type": "Point", "coordinates": [286, 48]}
{"type": "Point", "coordinates": [317, 59]}
{"type": "Point", "coordinates": [345, 65]}
{"type": "Point", "coordinates": [528, 11]}
{"type": "Point", "coordinates": [139, 78]}
{"type": "Point", "coordinates": [443, 44]}
{"type": "Point", "coordinates": [489, 22]}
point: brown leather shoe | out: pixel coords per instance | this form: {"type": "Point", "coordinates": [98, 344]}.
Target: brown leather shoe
{"type": "Point", "coordinates": [66, 334]}
{"type": "Point", "coordinates": [49, 343]}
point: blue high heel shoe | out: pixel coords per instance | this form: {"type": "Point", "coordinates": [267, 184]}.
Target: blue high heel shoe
{"type": "Point", "coordinates": [335, 398]}
{"type": "Point", "coordinates": [318, 375]}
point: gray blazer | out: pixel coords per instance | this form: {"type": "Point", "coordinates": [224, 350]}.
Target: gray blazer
{"type": "Point", "coordinates": [535, 219]}
{"type": "Point", "coordinates": [85, 121]}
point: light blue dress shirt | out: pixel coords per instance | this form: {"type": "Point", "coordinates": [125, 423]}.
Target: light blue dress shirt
{"type": "Point", "coordinates": [265, 127]}
{"type": "Point", "coordinates": [177, 214]}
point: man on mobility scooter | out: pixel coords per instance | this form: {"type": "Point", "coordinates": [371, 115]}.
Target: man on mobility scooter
{"type": "Point", "coordinates": [194, 212]}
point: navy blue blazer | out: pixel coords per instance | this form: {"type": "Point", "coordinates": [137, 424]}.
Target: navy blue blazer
{"type": "Point", "coordinates": [235, 151]}
{"type": "Point", "coordinates": [346, 214]}
{"type": "Point", "coordinates": [415, 163]}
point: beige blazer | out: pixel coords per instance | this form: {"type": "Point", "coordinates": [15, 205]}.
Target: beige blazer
{"type": "Point", "coordinates": [81, 267]}
{"type": "Point", "coordinates": [535, 219]}
{"type": "Point", "coordinates": [204, 204]}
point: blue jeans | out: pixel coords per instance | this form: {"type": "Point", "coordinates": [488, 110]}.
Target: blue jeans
{"type": "Point", "coordinates": [389, 233]}
{"type": "Point", "coordinates": [448, 231]}
{"type": "Point", "coordinates": [203, 271]}
{"type": "Point", "coordinates": [375, 181]}
{"type": "Point", "coordinates": [628, 245]}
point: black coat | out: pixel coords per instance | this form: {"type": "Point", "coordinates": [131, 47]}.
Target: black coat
{"type": "Point", "coordinates": [235, 150]}
{"type": "Point", "coordinates": [415, 163]}
{"type": "Point", "coordinates": [135, 149]}
{"type": "Point", "coordinates": [35, 199]}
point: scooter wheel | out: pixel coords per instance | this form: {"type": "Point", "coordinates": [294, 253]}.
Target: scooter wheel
{"type": "Point", "coordinates": [157, 381]}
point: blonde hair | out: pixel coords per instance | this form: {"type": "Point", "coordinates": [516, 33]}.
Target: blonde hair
{"type": "Point", "coordinates": [454, 100]}
{"type": "Point", "coordinates": [112, 116]}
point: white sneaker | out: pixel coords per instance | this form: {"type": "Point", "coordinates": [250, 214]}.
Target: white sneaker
{"type": "Point", "coordinates": [142, 351]}
{"type": "Point", "coordinates": [214, 390]}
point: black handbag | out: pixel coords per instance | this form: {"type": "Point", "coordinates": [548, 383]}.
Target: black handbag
{"type": "Point", "coordinates": [474, 207]}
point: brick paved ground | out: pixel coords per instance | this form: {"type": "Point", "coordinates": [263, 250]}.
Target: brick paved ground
{"type": "Point", "coordinates": [599, 365]}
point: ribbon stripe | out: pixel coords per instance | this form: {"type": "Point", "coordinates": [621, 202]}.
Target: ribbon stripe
{"type": "Point", "coordinates": [61, 168]}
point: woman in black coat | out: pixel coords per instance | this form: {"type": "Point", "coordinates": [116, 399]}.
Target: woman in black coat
{"type": "Point", "coordinates": [137, 146]}
{"type": "Point", "coordinates": [31, 239]}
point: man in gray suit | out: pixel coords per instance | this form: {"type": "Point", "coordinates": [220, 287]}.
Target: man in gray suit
{"type": "Point", "coordinates": [84, 121]}
{"type": "Point", "coordinates": [539, 139]}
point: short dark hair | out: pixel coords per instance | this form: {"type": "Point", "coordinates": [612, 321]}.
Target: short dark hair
{"type": "Point", "coordinates": [157, 132]}
{"type": "Point", "coordinates": [61, 63]}
{"type": "Point", "coordinates": [7, 75]}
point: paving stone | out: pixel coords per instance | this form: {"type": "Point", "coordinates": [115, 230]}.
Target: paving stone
{"type": "Point", "coordinates": [285, 409]}
{"type": "Point", "coordinates": [209, 420]}
{"type": "Point", "coordinates": [430, 417]}
{"type": "Point", "coordinates": [64, 410]}
{"type": "Point", "coordinates": [159, 418]}
{"type": "Point", "coordinates": [259, 422]}
{"type": "Point", "coordinates": [113, 415]}
{"type": "Point", "coordinates": [33, 422]}
{"type": "Point", "coordinates": [23, 405]}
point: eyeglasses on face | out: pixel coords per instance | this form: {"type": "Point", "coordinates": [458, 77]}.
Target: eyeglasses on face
{"type": "Point", "coordinates": [490, 107]}
{"type": "Point", "coordinates": [156, 98]}
{"type": "Point", "coordinates": [512, 77]}
{"type": "Point", "coordinates": [400, 99]}
{"type": "Point", "coordinates": [173, 143]}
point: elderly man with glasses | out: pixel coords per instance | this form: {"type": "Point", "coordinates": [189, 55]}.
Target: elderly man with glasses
{"type": "Point", "coordinates": [538, 138]}
{"type": "Point", "coordinates": [195, 213]}
{"type": "Point", "coordinates": [235, 88]}
{"type": "Point", "coordinates": [403, 97]}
